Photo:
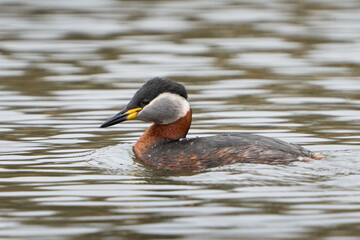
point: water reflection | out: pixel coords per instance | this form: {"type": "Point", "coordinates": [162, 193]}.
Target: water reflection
{"type": "Point", "coordinates": [281, 69]}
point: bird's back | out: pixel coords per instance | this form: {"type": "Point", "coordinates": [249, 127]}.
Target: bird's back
{"type": "Point", "coordinates": [206, 152]}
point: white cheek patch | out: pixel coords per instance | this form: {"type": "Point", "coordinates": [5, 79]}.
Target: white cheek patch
{"type": "Point", "coordinates": [165, 108]}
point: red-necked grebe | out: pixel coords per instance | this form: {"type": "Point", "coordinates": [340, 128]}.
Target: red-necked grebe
{"type": "Point", "coordinates": [164, 146]}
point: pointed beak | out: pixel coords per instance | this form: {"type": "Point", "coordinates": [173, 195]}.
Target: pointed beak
{"type": "Point", "coordinates": [121, 116]}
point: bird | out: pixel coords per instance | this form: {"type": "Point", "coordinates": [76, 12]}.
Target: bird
{"type": "Point", "coordinates": [164, 144]}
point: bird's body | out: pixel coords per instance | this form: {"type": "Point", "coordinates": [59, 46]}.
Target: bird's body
{"type": "Point", "coordinates": [208, 152]}
{"type": "Point", "coordinates": [164, 144]}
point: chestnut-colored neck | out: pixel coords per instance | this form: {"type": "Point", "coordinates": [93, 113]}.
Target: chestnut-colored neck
{"type": "Point", "coordinates": [156, 133]}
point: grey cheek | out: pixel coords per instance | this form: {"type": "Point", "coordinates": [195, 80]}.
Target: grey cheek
{"type": "Point", "coordinates": [144, 116]}
{"type": "Point", "coordinates": [150, 115]}
{"type": "Point", "coordinates": [158, 115]}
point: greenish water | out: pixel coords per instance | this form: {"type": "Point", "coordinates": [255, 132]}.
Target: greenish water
{"type": "Point", "coordinates": [282, 69]}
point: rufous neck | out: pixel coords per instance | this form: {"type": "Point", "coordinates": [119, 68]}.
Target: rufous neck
{"type": "Point", "coordinates": [171, 131]}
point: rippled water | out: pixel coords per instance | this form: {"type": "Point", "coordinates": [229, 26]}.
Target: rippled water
{"type": "Point", "coordinates": [282, 69]}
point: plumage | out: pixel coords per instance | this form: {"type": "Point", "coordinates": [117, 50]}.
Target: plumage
{"type": "Point", "coordinates": [164, 146]}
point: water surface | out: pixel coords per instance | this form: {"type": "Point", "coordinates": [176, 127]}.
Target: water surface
{"type": "Point", "coordinates": [282, 69]}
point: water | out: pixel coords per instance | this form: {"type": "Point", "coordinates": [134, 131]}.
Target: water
{"type": "Point", "coordinates": [282, 69]}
